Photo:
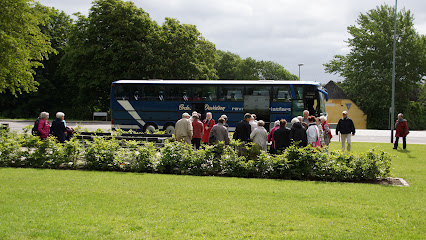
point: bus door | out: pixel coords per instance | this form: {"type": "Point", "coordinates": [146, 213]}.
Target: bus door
{"type": "Point", "coordinates": [305, 98]}
{"type": "Point", "coordinates": [257, 101]}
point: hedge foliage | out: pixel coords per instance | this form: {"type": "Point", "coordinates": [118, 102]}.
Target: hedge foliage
{"type": "Point", "coordinates": [236, 160]}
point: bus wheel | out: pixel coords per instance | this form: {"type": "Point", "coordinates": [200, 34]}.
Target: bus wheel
{"type": "Point", "coordinates": [150, 129]}
{"type": "Point", "coordinates": [170, 129]}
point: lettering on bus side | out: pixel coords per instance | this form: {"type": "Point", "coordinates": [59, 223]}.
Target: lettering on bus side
{"type": "Point", "coordinates": [183, 107]}
{"type": "Point", "coordinates": [237, 109]}
{"type": "Point", "coordinates": [214, 107]}
{"type": "Point", "coordinates": [280, 109]}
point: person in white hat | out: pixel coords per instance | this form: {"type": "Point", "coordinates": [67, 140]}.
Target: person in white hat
{"type": "Point", "coordinates": [346, 127]}
{"type": "Point", "coordinates": [183, 129]}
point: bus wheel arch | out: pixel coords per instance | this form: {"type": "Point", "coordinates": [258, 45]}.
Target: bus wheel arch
{"type": "Point", "coordinates": [169, 128]}
{"type": "Point", "coordinates": [150, 127]}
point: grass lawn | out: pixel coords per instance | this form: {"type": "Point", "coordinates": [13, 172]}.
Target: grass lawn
{"type": "Point", "coordinates": [65, 204]}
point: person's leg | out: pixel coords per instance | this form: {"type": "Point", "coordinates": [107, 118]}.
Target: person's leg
{"type": "Point", "coordinates": [404, 142]}
{"type": "Point", "coordinates": [197, 143]}
{"type": "Point", "coordinates": [395, 145]}
{"type": "Point", "coordinates": [193, 142]}
{"type": "Point", "coordinates": [326, 140]}
{"type": "Point", "coordinates": [348, 139]}
{"type": "Point", "coordinates": [343, 138]}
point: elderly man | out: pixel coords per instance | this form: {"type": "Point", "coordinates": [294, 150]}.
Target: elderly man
{"type": "Point", "coordinates": [305, 116]}
{"type": "Point", "coordinates": [219, 133]}
{"type": "Point", "coordinates": [183, 129]}
{"type": "Point", "coordinates": [345, 126]}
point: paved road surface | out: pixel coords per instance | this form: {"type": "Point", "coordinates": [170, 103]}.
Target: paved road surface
{"type": "Point", "coordinates": [362, 135]}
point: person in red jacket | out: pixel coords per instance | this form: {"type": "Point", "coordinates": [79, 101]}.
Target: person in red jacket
{"type": "Point", "coordinates": [43, 126]}
{"type": "Point", "coordinates": [198, 130]}
{"type": "Point", "coordinates": [208, 124]}
{"type": "Point", "coordinates": [401, 130]}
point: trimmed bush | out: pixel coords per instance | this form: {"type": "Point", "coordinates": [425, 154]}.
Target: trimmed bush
{"type": "Point", "coordinates": [235, 160]}
{"type": "Point", "coordinates": [100, 154]}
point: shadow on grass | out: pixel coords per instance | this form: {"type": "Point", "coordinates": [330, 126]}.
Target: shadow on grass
{"type": "Point", "coordinates": [406, 152]}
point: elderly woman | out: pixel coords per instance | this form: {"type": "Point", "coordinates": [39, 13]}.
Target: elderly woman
{"type": "Point", "coordinates": [327, 130]}
{"type": "Point", "coordinates": [313, 132]}
{"type": "Point", "coordinates": [282, 136]}
{"type": "Point", "coordinates": [298, 133]}
{"type": "Point", "coordinates": [59, 127]}
{"type": "Point", "coordinates": [260, 135]}
{"type": "Point", "coordinates": [43, 126]}
{"type": "Point", "coordinates": [271, 136]}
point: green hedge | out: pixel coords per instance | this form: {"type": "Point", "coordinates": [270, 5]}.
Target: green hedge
{"type": "Point", "coordinates": [236, 160]}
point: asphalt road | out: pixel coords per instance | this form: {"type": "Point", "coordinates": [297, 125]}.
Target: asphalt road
{"type": "Point", "coordinates": [362, 135]}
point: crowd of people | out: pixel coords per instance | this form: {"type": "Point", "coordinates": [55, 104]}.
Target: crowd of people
{"type": "Point", "coordinates": [58, 129]}
{"type": "Point", "coordinates": [304, 130]}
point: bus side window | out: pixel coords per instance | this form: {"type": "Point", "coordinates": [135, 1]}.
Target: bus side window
{"type": "Point", "coordinates": [282, 94]}
{"type": "Point", "coordinates": [121, 92]}
{"type": "Point", "coordinates": [209, 93]}
{"type": "Point", "coordinates": [153, 93]}
{"type": "Point", "coordinates": [258, 91]}
{"type": "Point", "coordinates": [231, 93]}
{"type": "Point", "coordinates": [178, 93]}
{"type": "Point", "coordinates": [204, 93]}
{"type": "Point", "coordinates": [135, 92]}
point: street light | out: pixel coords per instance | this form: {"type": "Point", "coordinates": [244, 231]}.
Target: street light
{"type": "Point", "coordinates": [393, 74]}
{"type": "Point", "coordinates": [300, 64]}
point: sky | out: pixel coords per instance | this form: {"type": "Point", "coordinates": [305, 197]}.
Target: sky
{"type": "Point", "coordinates": [289, 32]}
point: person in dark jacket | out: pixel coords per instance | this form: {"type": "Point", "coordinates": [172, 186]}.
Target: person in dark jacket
{"type": "Point", "coordinates": [243, 129]}
{"type": "Point", "coordinates": [345, 126]}
{"type": "Point", "coordinates": [59, 127]}
{"type": "Point", "coordinates": [401, 130]}
{"type": "Point", "coordinates": [282, 136]}
{"type": "Point", "coordinates": [298, 133]}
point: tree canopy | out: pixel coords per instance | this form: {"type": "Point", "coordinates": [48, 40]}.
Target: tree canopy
{"type": "Point", "coordinates": [81, 58]}
{"type": "Point", "coordinates": [230, 66]}
{"type": "Point", "coordinates": [22, 45]}
{"type": "Point", "coordinates": [367, 68]}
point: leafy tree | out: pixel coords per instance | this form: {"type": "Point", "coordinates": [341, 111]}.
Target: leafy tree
{"type": "Point", "coordinates": [117, 40]}
{"type": "Point", "coordinates": [52, 86]}
{"type": "Point", "coordinates": [114, 42]}
{"type": "Point", "coordinates": [248, 69]}
{"type": "Point", "coordinates": [226, 65]}
{"type": "Point", "coordinates": [182, 52]}
{"type": "Point", "coordinates": [273, 71]}
{"type": "Point", "coordinates": [22, 45]}
{"type": "Point", "coordinates": [230, 66]}
{"type": "Point", "coordinates": [367, 69]}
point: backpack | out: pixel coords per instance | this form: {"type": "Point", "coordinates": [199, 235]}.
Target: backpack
{"type": "Point", "coordinates": [35, 131]}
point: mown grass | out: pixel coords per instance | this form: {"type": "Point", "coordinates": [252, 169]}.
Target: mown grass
{"type": "Point", "coordinates": [55, 204]}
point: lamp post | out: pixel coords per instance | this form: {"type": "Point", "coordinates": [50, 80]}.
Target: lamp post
{"type": "Point", "coordinates": [393, 75]}
{"type": "Point", "coordinates": [300, 64]}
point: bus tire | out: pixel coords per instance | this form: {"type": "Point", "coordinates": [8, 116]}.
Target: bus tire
{"type": "Point", "coordinates": [150, 128]}
{"type": "Point", "coordinates": [170, 129]}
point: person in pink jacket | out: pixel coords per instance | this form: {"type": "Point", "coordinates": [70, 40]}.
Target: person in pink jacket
{"type": "Point", "coordinates": [43, 126]}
